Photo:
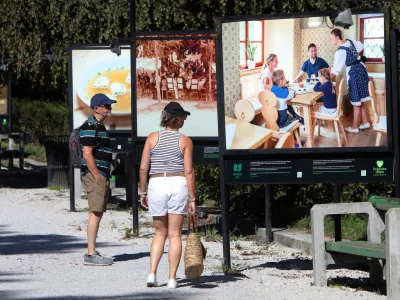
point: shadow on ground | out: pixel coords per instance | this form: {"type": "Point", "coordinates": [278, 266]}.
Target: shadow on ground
{"type": "Point", "coordinates": [15, 244]}
{"type": "Point", "coordinates": [131, 256]}
{"type": "Point", "coordinates": [304, 264]}
{"type": "Point", "coordinates": [360, 284]}
{"type": "Point", "coordinates": [209, 282]}
{"type": "Point", "coordinates": [157, 295]}
{"type": "Point", "coordinates": [23, 180]}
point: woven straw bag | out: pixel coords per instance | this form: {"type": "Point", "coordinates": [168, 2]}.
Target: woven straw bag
{"type": "Point", "coordinates": [195, 253]}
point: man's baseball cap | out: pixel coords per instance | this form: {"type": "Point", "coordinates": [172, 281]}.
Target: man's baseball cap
{"type": "Point", "coordinates": [175, 109]}
{"type": "Point", "coordinates": [101, 99]}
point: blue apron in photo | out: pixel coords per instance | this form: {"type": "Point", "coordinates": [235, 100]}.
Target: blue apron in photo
{"type": "Point", "coordinates": [358, 75]}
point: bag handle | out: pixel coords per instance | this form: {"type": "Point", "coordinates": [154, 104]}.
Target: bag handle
{"type": "Point", "coordinates": [192, 216]}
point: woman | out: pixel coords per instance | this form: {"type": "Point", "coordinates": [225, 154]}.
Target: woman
{"type": "Point", "coordinates": [357, 77]}
{"type": "Point", "coordinates": [171, 189]}
{"type": "Point", "coordinates": [266, 75]}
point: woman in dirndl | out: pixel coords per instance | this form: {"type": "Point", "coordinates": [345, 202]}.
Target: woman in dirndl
{"type": "Point", "coordinates": [356, 74]}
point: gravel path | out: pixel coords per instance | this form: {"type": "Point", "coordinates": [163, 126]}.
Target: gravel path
{"type": "Point", "coordinates": [42, 246]}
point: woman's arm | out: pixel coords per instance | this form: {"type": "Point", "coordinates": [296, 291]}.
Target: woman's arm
{"type": "Point", "coordinates": [339, 62]}
{"type": "Point", "coordinates": [187, 146]}
{"type": "Point", "coordinates": [144, 167]}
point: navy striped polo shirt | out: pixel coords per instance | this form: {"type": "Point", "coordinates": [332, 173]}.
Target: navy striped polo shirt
{"type": "Point", "coordinates": [100, 144]}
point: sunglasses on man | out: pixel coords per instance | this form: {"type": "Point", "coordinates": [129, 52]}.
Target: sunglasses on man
{"type": "Point", "coordinates": [106, 106]}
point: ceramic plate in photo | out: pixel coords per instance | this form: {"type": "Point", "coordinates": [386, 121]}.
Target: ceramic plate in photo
{"type": "Point", "coordinates": [111, 77]}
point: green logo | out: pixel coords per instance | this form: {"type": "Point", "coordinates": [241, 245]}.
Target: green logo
{"type": "Point", "coordinates": [4, 121]}
{"type": "Point", "coordinates": [237, 167]}
{"type": "Point", "coordinates": [379, 163]}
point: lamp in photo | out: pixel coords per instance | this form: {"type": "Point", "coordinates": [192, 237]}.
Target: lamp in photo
{"type": "Point", "coordinates": [115, 47]}
{"type": "Point", "coordinates": [341, 16]}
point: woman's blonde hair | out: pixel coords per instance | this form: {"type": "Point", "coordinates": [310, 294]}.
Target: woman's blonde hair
{"type": "Point", "coordinates": [277, 77]}
{"type": "Point", "coordinates": [270, 58]}
{"type": "Point", "coordinates": [166, 119]}
{"type": "Point", "coordinates": [325, 73]}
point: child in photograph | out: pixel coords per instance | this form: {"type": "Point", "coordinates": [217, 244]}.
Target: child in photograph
{"type": "Point", "coordinates": [325, 85]}
{"type": "Point", "coordinates": [283, 94]}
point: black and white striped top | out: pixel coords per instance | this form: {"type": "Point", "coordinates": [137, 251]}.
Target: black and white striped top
{"type": "Point", "coordinates": [166, 156]}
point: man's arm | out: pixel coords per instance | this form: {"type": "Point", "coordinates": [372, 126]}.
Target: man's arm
{"type": "Point", "coordinates": [87, 153]}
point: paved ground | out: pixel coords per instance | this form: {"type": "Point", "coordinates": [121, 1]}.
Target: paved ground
{"type": "Point", "coordinates": [42, 246]}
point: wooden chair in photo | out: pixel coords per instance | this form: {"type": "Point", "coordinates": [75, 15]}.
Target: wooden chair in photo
{"type": "Point", "coordinates": [181, 89]}
{"type": "Point", "coordinates": [285, 141]}
{"type": "Point", "coordinates": [336, 118]}
{"type": "Point", "coordinates": [380, 122]}
{"type": "Point", "coordinates": [269, 111]}
{"type": "Point", "coordinates": [194, 88]}
{"type": "Point", "coordinates": [170, 86]}
{"type": "Point", "coordinates": [244, 111]}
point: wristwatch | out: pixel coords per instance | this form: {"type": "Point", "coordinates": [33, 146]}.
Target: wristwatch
{"type": "Point", "coordinates": [143, 193]}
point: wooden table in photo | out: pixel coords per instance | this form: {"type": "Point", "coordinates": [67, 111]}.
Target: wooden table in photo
{"type": "Point", "coordinates": [247, 135]}
{"type": "Point", "coordinates": [306, 101]}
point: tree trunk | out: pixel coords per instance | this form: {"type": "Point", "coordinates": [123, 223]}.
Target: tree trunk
{"type": "Point", "coordinates": [158, 79]}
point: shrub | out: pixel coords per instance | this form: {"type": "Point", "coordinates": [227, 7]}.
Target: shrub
{"type": "Point", "coordinates": [34, 117]}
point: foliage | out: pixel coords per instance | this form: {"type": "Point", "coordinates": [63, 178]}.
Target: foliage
{"type": "Point", "coordinates": [35, 152]}
{"type": "Point", "coordinates": [34, 117]}
{"type": "Point", "coordinates": [27, 28]}
{"type": "Point", "coordinates": [251, 51]}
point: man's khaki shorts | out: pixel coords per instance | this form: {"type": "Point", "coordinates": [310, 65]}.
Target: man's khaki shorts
{"type": "Point", "coordinates": [97, 192]}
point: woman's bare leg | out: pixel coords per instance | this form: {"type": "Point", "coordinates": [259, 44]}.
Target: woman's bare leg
{"type": "Point", "coordinates": [356, 117]}
{"type": "Point", "coordinates": [157, 245]}
{"type": "Point", "coordinates": [175, 223]}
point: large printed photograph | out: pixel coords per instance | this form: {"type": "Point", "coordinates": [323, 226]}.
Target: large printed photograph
{"type": "Point", "coordinates": [101, 71]}
{"type": "Point", "coordinates": [181, 70]}
{"type": "Point", "coordinates": [304, 83]}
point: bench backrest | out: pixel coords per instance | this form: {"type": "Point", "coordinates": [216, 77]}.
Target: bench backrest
{"type": "Point", "coordinates": [384, 203]}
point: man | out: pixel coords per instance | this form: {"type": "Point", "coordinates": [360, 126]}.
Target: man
{"type": "Point", "coordinates": [312, 65]}
{"type": "Point", "coordinates": [95, 172]}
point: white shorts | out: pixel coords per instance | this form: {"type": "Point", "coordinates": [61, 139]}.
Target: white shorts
{"type": "Point", "coordinates": [168, 195]}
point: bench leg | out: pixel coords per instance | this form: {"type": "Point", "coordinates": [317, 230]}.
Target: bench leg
{"type": "Point", "coordinates": [392, 253]}
{"type": "Point", "coordinates": [318, 249]}
{"type": "Point", "coordinates": [375, 272]}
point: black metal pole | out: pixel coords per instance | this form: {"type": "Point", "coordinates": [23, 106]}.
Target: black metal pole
{"type": "Point", "coordinates": [71, 127]}
{"type": "Point", "coordinates": [396, 108]}
{"type": "Point", "coordinates": [337, 218]}
{"type": "Point", "coordinates": [21, 151]}
{"type": "Point", "coordinates": [225, 224]}
{"type": "Point", "coordinates": [129, 179]}
{"type": "Point", "coordinates": [133, 167]}
{"type": "Point", "coordinates": [268, 219]}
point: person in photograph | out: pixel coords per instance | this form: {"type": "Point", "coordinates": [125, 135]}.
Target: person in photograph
{"type": "Point", "coordinates": [286, 113]}
{"type": "Point", "coordinates": [168, 158]}
{"type": "Point", "coordinates": [327, 104]}
{"type": "Point", "coordinates": [95, 172]}
{"type": "Point", "coordinates": [312, 65]}
{"type": "Point", "coordinates": [266, 74]}
{"type": "Point", "coordinates": [356, 75]}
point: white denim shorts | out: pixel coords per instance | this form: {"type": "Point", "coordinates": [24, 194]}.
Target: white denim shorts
{"type": "Point", "coordinates": [168, 195]}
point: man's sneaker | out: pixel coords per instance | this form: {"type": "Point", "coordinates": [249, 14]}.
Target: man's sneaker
{"type": "Point", "coordinates": [97, 260]}
{"type": "Point", "coordinates": [364, 126]}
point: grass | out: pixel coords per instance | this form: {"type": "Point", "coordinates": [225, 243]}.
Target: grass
{"type": "Point", "coordinates": [54, 188]}
{"type": "Point", "coordinates": [354, 226]}
{"type": "Point", "coordinates": [234, 270]}
{"type": "Point", "coordinates": [210, 203]}
{"type": "Point", "coordinates": [211, 234]}
{"type": "Point", "coordinates": [33, 151]}
{"type": "Point", "coordinates": [129, 233]}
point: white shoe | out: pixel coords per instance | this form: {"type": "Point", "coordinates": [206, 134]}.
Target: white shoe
{"type": "Point", "coordinates": [152, 280]}
{"type": "Point", "coordinates": [172, 283]}
{"type": "Point", "coordinates": [349, 129]}
{"type": "Point", "coordinates": [364, 126]}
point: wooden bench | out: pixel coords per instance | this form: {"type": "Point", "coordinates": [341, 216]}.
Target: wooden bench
{"type": "Point", "coordinates": [382, 258]}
